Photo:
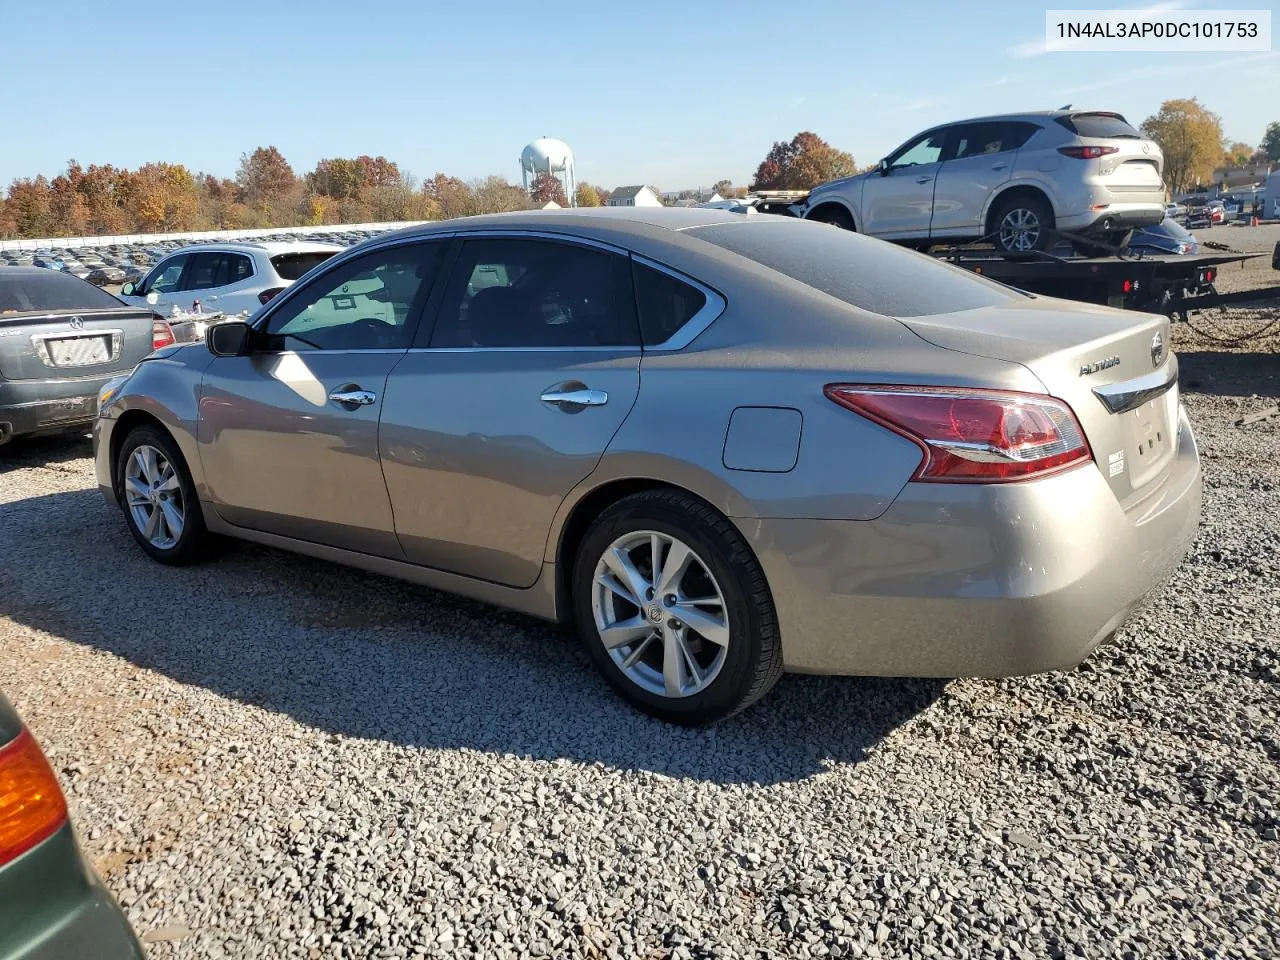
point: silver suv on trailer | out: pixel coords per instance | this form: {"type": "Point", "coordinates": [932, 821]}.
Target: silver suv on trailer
{"type": "Point", "coordinates": [1018, 179]}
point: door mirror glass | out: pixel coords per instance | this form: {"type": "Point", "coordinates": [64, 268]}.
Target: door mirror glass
{"type": "Point", "coordinates": [128, 289]}
{"type": "Point", "coordinates": [153, 297]}
{"type": "Point", "coordinates": [230, 339]}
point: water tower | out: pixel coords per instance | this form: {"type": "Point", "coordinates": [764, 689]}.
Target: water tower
{"type": "Point", "coordinates": [549, 155]}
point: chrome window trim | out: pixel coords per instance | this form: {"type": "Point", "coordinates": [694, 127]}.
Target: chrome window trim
{"type": "Point", "coordinates": [696, 325]}
{"type": "Point", "coordinates": [621, 350]}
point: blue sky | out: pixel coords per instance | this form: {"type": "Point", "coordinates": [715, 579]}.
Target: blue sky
{"type": "Point", "coordinates": [677, 94]}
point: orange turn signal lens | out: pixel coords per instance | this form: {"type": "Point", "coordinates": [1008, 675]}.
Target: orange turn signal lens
{"type": "Point", "coordinates": [32, 807]}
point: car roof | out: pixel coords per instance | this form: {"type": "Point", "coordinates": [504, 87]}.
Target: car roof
{"type": "Point", "coordinates": [269, 247]}
{"type": "Point", "coordinates": [580, 220]}
{"type": "Point", "coordinates": [19, 273]}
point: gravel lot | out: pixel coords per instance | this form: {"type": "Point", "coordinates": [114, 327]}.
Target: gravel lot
{"type": "Point", "coordinates": [268, 756]}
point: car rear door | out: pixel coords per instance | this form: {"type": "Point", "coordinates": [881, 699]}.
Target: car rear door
{"type": "Point", "coordinates": [289, 434]}
{"type": "Point", "coordinates": [532, 366]}
{"type": "Point", "coordinates": [978, 159]}
{"type": "Point", "coordinates": [898, 203]}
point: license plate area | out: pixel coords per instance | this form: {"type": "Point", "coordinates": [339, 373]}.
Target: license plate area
{"type": "Point", "coordinates": [1152, 437]}
{"type": "Point", "coordinates": [83, 350]}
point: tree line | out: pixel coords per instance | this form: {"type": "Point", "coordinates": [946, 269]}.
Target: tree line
{"type": "Point", "coordinates": [266, 192]}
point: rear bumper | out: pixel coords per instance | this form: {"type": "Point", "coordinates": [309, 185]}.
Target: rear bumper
{"type": "Point", "coordinates": [40, 406]}
{"type": "Point", "coordinates": [53, 907]}
{"type": "Point", "coordinates": [969, 580]}
{"type": "Point", "coordinates": [1115, 216]}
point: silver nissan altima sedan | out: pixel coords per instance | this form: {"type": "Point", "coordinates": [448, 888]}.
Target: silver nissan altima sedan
{"type": "Point", "coordinates": [725, 446]}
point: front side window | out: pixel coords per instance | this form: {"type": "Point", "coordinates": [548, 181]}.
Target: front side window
{"type": "Point", "coordinates": [536, 293]}
{"type": "Point", "coordinates": [165, 277]}
{"type": "Point", "coordinates": [364, 304]}
{"type": "Point", "coordinates": [927, 149]}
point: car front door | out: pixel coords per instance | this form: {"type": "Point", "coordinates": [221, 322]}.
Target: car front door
{"type": "Point", "coordinates": [898, 202]}
{"type": "Point", "coordinates": [159, 289]}
{"type": "Point", "coordinates": [289, 433]}
{"type": "Point", "coordinates": [979, 158]}
{"type": "Point", "coordinates": [531, 367]}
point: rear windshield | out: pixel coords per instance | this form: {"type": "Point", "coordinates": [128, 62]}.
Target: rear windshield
{"type": "Point", "coordinates": [1100, 125]}
{"type": "Point", "coordinates": [291, 266]}
{"type": "Point", "coordinates": [874, 275]}
{"type": "Point", "coordinates": [45, 290]}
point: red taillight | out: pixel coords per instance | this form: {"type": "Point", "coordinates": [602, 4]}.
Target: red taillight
{"type": "Point", "coordinates": [973, 436]}
{"type": "Point", "coordinates": [32, 807]}
{"type": "Point", "coordinates": [161, 334]}
{"type": "Point", "coordinates": [1209, 275]}
{"type": "Point", "coordinates": [266, 295]}
{"type": "Point", "coordinates": [1087, 153]}
{"type": "Point", "coordinates": [1127, 286]}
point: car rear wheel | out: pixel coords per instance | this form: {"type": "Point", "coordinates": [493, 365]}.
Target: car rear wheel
{"type": "Point", "coordinates": [675, 610]}
{"type": "Point", "coordinates": [1024, 224]}
{"type": "Point", "coordinates": [158, 498]}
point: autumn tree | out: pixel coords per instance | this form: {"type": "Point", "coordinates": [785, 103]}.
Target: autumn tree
{"type": "Point", "coordinates": [338, 178]}
{"type": "Point", "coordinates": [29, 209]}
{"type": "Point", "coordinates": [547, 189]}
{"type": "Point", "coordinates": [264, 176]}
{"type": "Point", "coordinates": [1271, 142]}
{"type": "Point", "coordinates": [451, 196]}
{"type": "Point", "coordinates": [1190, 136]}
{"type": "Point", "coordinates": [724, 188]}
{"type": "Point", "coordinates": [495, 195]}
{"type": "Point", "coordinates": [587, 196]}
{"type": "Point", "coordinates": [602, 195]}
{"type": "Point", "coordinates": [801, 164]}
{"type": "Point", "coordinates": [1237, 155]}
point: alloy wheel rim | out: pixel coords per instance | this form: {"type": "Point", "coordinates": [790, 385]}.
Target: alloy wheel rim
{"type": "Point", "coordinates": [153, 494]}
{"type": "Point", "coordinates": [1020, 230]}
{"type": "Point", "coordinates": [660, 614]}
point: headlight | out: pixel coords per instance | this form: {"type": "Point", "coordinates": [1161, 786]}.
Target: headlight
{"type": "Point", "coordinates": [108, 390]}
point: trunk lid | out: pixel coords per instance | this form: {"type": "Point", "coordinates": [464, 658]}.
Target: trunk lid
{"type": "Point", "coordinates": [73, 345]}
{"type": "Point", "coordinates": [1113, 367]}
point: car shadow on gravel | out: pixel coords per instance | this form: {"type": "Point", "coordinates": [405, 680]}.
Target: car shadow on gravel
{"type": "Point", "coordinates": [26, 452]}
{"type": "Point", "coordinates": [363, 656]}
{"type": "Point", "coordinates": [1220, 373]}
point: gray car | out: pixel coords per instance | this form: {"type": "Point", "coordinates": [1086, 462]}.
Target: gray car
{"type": "Point", "coordinates": [725, 446]}
{"type": "Point", "coordinates": [52, 905]}
{"type": "Point", "coordinates": [61, 338]}
{"type": "Point", "coordinates": [1019, 179]}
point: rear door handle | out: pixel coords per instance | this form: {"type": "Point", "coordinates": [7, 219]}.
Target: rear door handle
{"type": "Point", "coordinates": [923, 179]}
{"type": "Point", "coordinates": [353, 397]}
{"type": "Point", "coordinates": [582, 397]}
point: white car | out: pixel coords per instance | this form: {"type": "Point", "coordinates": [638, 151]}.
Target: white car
{"type": "Point", "coordinates": [228, 278]}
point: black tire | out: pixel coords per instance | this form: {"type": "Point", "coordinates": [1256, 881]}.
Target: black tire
{"type": "Point", "coordinates": [833, 214]}
{"type": "Point", "coordinates": [753, 656]}
{"type": "Point", "coordinates": [1038, 208]}
{"type": "Point", "coordinates": [192, 544]}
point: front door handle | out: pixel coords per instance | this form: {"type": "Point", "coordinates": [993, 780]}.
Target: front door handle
{"type": "Point", "coordinates": [999, 166]}
{"type": "Point", "coordinates": [581, 397]}
{"type": "Point", "coordinates": [923, 179]}
{"type": "Point", "coordinates": [352, 397]}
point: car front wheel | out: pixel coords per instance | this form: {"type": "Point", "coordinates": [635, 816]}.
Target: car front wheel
{"type": "Point", "coordinates": [158, 498]}
{"type": "Point", "coordinates": [674, 609]}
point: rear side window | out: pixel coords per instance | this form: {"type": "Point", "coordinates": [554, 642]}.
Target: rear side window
{"type": "Point", "coordinates": [291, 266]}
{"type": "Point", "coordinates": [50, 290]}
{"type": "Point", "coordinates": [870, 274]}
{"type": "Point", "coordinates": [1100, 125]}
{"type": "Point", "coordinates": [665, 303]}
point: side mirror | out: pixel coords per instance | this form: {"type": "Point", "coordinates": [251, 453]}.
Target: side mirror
{"type": "Point", "coordinates": [128, 289]}
{"type": "Point", "coordinates": [153, 298]}
{"type": "Point", "coordinates": [229, 339]}
{"type": "Point", "coordinates": [883, 168]}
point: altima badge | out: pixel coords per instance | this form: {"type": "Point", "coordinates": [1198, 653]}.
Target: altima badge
{"type": "Point", "coordinates": [1098, 365]}
{"type": "Point", "coordinates": [1157, 349]}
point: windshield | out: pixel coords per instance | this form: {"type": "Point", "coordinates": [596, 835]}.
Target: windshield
{"type": "Point", "coordinates": [872, 274]}
{"type": "Point", "coordinates": [47, 290]}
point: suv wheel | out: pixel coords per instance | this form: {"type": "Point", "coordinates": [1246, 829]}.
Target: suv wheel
{"type": "Point", "coordinates": [1024, 224]}
{"type": "Point", "coordinates": [833, 214]}
{"type": "Point", "coordinates": [675, 610]}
